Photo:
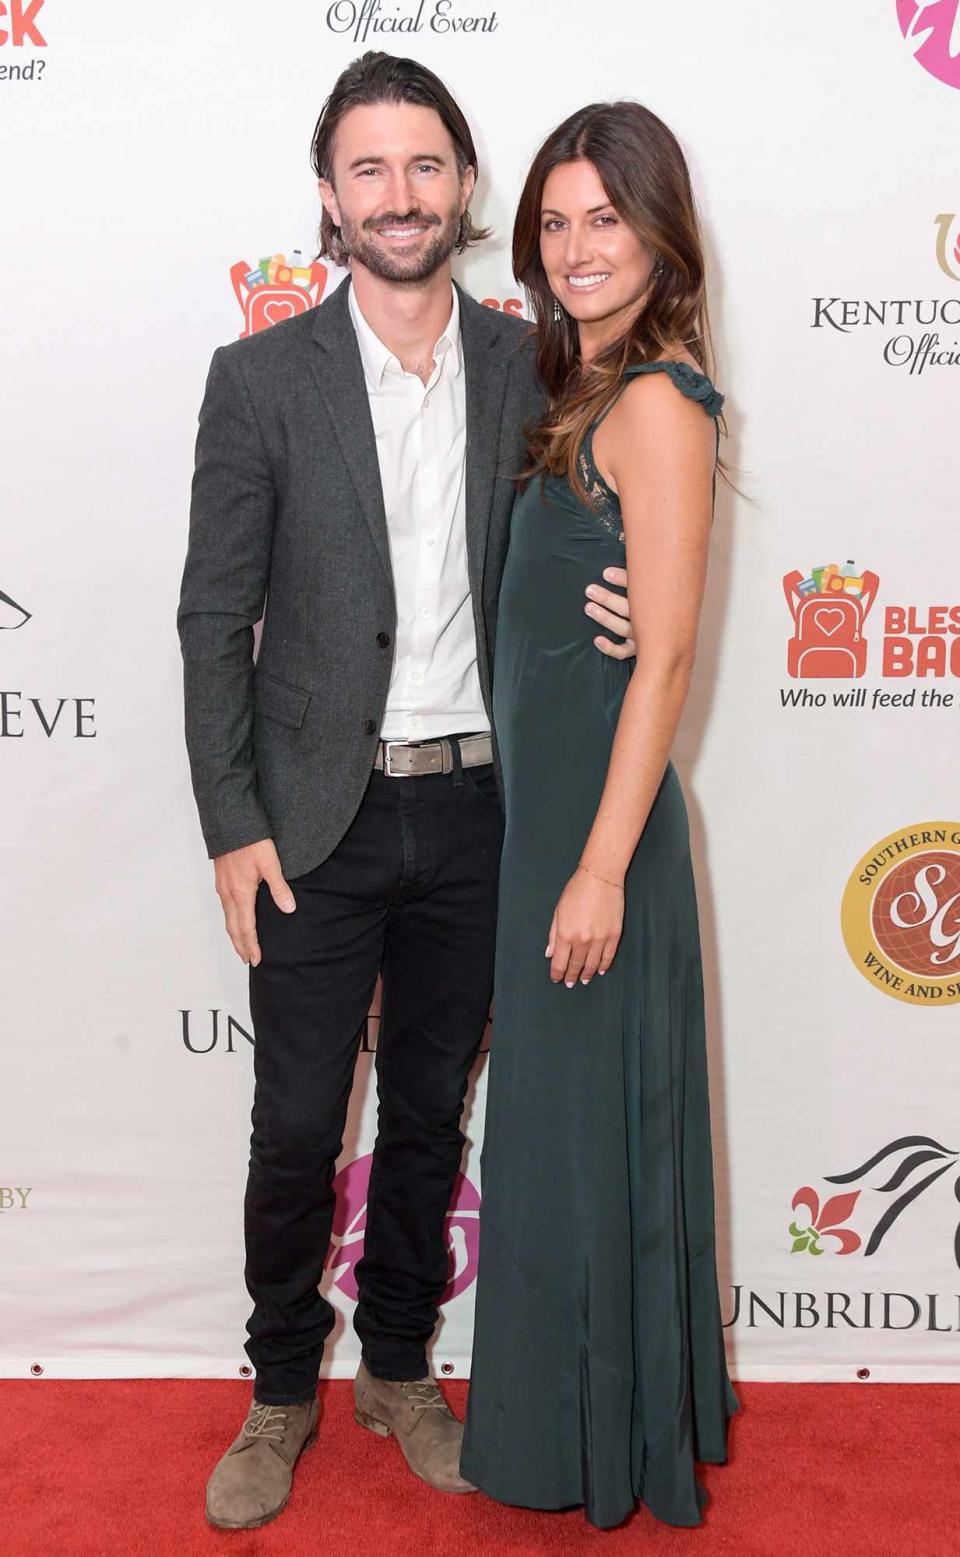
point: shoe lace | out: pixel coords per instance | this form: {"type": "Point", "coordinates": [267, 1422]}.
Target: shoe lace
{"type": "Point", "coordinates": [424, 1395]}
{"type": "Point", "coordinates": [265, 1422]}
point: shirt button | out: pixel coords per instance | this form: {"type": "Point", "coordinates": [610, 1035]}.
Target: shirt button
{"type": "Point", "coordinates": [384, 640]}
{"type": "Point", "coordinates": [416, 675]}
{"type": "Point", "coordinates": [424, 611]}
{"type": "Point", "coordinates": [371, 726]}
{"type": "Point", "coordinates": [429, 540]}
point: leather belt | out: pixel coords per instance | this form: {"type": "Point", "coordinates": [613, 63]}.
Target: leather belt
{"type": "Point", "coordinates": [404, 759]}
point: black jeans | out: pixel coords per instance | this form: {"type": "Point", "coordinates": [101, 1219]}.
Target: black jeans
{"type": "Point", "coordinates": [410, 891]}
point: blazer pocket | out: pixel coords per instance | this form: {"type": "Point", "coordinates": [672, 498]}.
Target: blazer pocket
{"type": "Point", "coordinates": [279, 700]}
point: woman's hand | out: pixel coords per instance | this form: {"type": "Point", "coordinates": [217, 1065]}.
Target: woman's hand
{"type": "Point", "coordinates": [586, 929]}
{"type": "Point", "coordinates": [612, 611]}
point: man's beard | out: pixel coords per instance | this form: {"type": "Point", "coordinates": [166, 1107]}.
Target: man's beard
{"type": "Point", "coordinates": [360, 243]}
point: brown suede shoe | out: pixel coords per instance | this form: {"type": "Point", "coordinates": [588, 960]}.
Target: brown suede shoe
{"type": "Point", "coordinates": [250, 1485]}
{"type": "Point", "coordinates": [416, 1414]}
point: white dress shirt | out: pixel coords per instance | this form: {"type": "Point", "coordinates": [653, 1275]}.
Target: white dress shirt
{"type": "Point", "coordinates": [421, 433]}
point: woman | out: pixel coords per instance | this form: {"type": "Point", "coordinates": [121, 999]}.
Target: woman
{"type": "Point", "coordinates": [598, 1371]}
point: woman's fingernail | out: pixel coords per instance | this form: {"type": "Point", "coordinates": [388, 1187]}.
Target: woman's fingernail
{"type": "Point", "coordinates": [569, 983]}
{"type": "Point", "coordinates": [584, 981]}
{"type": "Point", "coordinates": [601, 972]}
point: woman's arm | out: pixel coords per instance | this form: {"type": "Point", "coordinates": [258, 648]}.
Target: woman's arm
{"type": "Point", "coordinates": [658, 450]}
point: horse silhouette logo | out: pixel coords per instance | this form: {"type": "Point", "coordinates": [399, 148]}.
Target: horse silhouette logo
{"type": "Point", "coordinates": [12, 615]}
{"type": "Point", "coordinates": [908, 1167]}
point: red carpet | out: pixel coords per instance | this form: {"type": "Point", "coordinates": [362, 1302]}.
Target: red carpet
{"type": "Point", "coordinates": [830, 1470]}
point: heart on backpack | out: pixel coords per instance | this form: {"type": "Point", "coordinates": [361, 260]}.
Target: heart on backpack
{"type": "Point", "coordinates": [834, 615]}
{"type": "Point", "coordinates": [276, 310]}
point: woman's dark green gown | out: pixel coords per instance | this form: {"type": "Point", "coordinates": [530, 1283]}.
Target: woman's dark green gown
{"type": "Point", "coordinates": [598, 1371]}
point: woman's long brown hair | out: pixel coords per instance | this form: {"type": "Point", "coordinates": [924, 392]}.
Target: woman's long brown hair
{"type": "Point", "coordinates": [645, 176]}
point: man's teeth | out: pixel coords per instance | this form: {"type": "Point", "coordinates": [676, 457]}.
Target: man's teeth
{"type": "Point", "coordinates": [401, 232]}
{"type": "Point", "coordinates": [589, 281]}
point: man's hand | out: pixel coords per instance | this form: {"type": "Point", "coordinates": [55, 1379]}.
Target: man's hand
{"type": "Point", "coordinates": [238, 875]}
{"type": "Point", "coordinates": [613, 612]}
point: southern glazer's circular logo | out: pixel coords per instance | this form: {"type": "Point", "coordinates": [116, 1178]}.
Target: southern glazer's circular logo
{"type": "Point", "coordinates": [901, 914]}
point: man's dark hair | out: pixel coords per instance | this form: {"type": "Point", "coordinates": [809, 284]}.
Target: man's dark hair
{"type": "Point", "coordinates": [385, 78]}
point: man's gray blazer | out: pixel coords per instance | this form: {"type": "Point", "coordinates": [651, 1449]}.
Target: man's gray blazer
{"type": "Point", "coordinates": [287, 521]}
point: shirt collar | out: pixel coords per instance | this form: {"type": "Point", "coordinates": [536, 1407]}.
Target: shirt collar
{"type": "Point", "coordinates": [377, 358]}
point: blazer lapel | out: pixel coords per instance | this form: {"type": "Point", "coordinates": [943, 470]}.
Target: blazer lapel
{"type": "Point", "coordinates": [486, 382]}
{"type": "Point", "coordinates": [339, 374]}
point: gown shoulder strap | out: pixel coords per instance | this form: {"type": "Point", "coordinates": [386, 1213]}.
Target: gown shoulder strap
{"type": "Point", "coordinates": [690, 382]}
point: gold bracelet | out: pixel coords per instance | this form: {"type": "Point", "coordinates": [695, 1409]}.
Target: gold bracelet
{"type": "Point", "coordinates": [617, 884]}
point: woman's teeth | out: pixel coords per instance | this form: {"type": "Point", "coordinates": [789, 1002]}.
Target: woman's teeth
{"type": "Point", "coordinates": [589, 281]}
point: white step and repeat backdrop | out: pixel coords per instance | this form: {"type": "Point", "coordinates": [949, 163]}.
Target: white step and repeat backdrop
{"type": "Point", "coordinates": [152, 158]}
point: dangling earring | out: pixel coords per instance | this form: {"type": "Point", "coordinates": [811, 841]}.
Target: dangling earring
{"type": "Point", "coordinates": [658, 268]}
{"type": "Point", "coordinates": [557, 311]}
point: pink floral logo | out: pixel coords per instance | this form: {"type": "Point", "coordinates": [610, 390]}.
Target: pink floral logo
{"type": "Point", "coordinates": [350, 1224]}
{"type": "Point", "coordinates": [932, 31]}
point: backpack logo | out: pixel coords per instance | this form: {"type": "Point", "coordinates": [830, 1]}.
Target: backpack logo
{"type": "Point", "coordinates": [277, 289]}
{"type": "Point", "coordinates": [829, 608]}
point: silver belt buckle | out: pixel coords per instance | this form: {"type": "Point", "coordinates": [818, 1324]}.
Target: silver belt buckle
{"type": "Point", "coordinates": [387, 765]}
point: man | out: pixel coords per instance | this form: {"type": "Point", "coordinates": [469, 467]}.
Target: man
{"type": "Point", "coordinates": [353, 471]}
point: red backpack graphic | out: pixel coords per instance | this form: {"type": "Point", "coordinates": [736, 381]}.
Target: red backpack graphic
{"type": "Point", "coordinates": [828, 638]}
{"type": "Point", "coordinates": [276, 291]}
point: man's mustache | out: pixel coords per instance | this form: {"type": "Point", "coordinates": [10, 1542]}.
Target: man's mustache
{"type": "Point", "coordinates": [411, 219]}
